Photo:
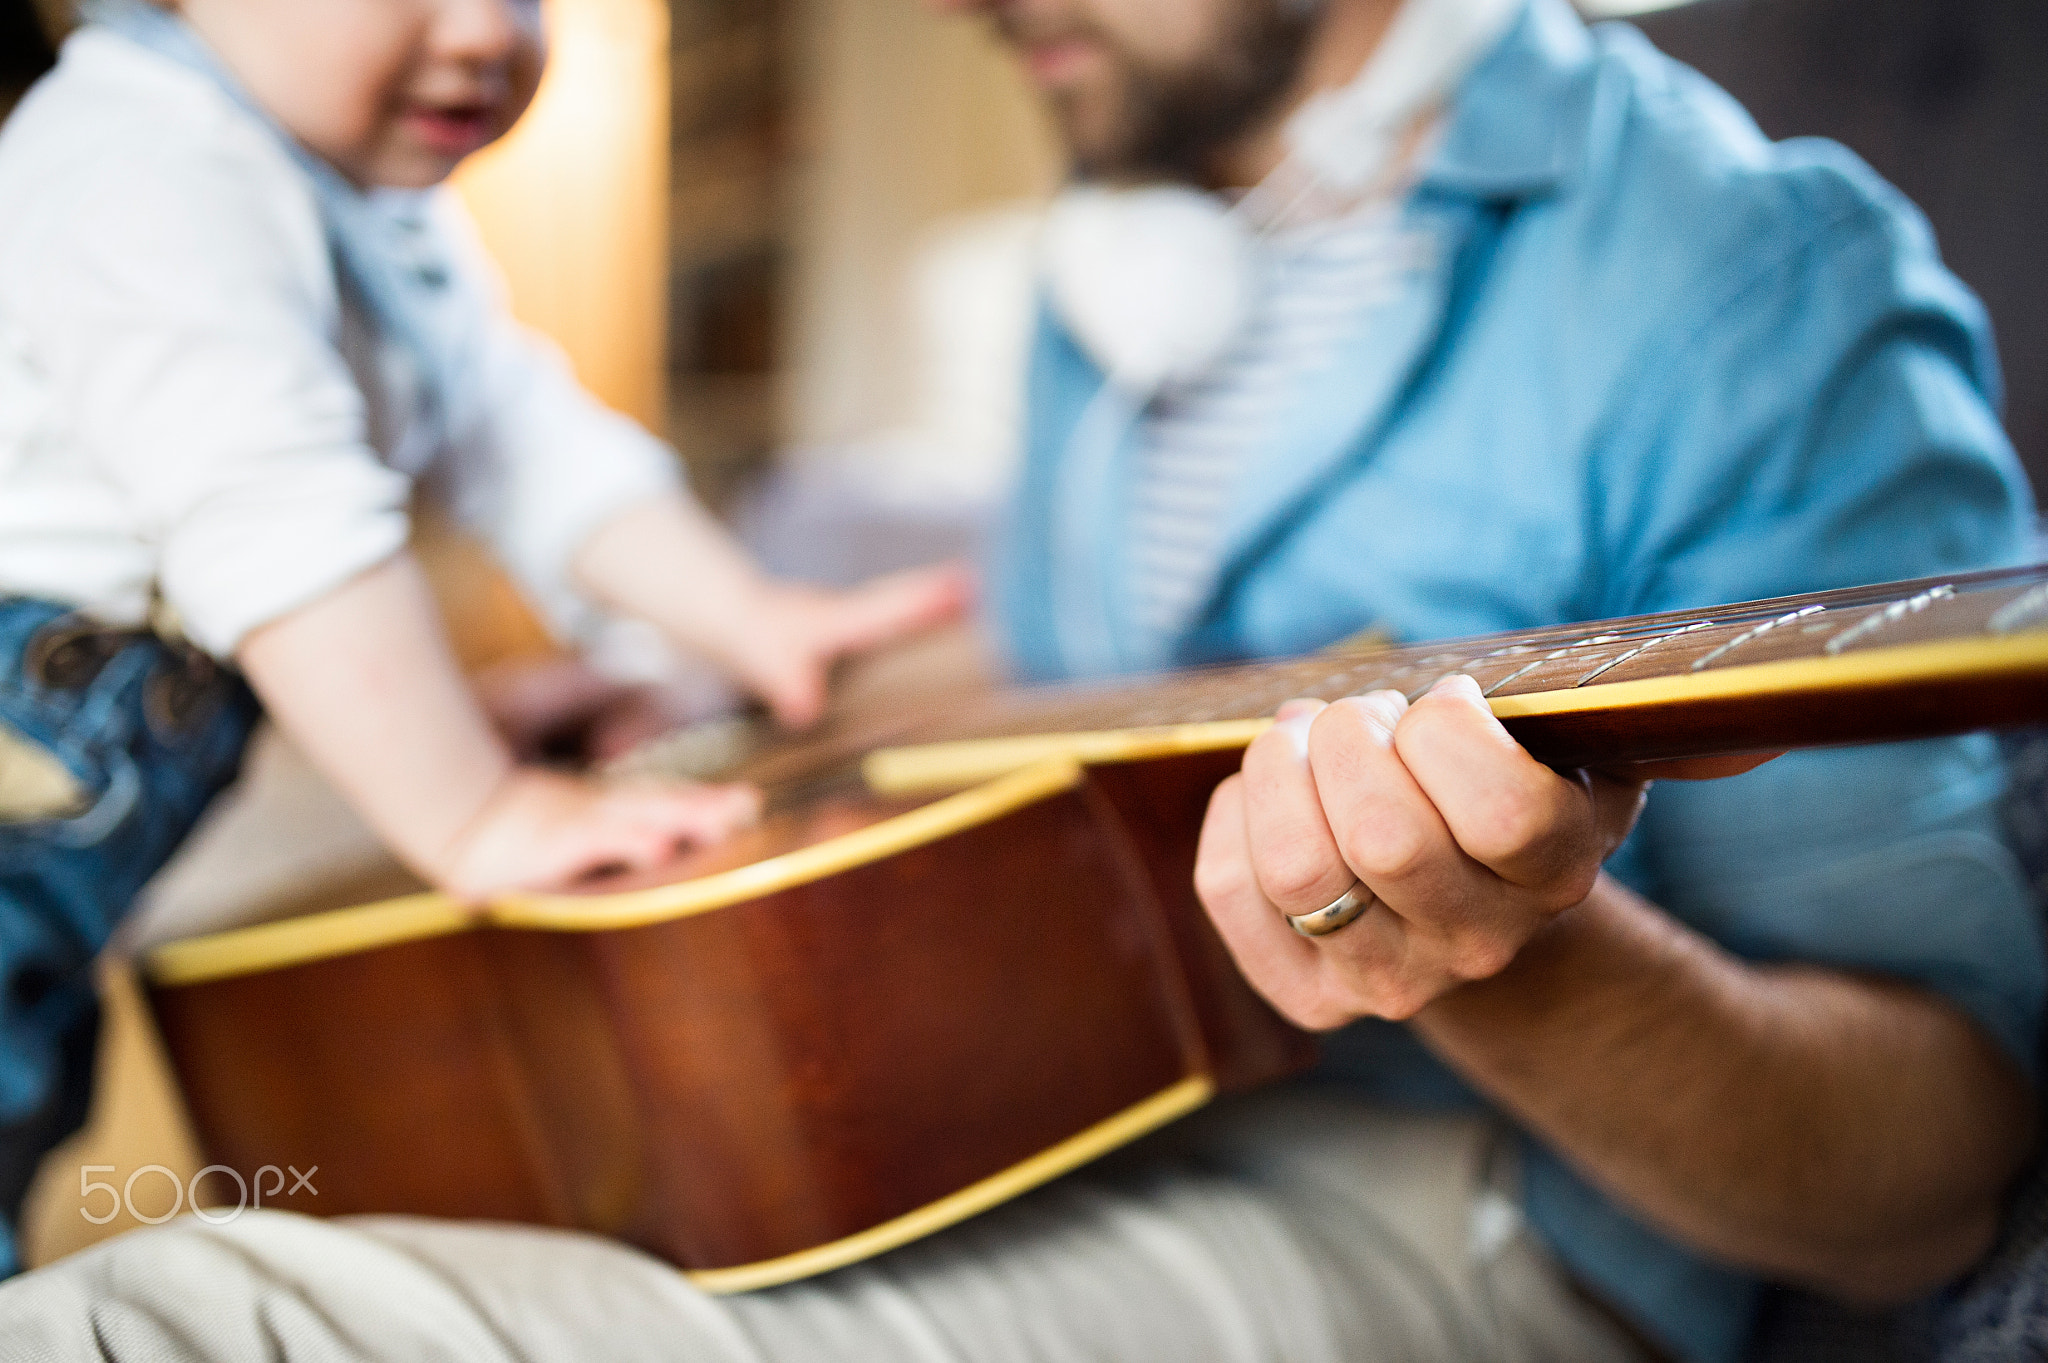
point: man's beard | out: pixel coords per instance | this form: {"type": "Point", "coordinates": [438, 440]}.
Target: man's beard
{"type": "Point", "coordinates": [1169, 123]}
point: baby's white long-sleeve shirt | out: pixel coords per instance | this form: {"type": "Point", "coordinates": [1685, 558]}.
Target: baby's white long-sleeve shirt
{"type": "Point", "coordinates": [190, 405]}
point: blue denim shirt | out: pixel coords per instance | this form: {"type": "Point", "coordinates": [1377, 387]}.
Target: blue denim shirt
{"type": "Point", "coordinates": [1657, 363]}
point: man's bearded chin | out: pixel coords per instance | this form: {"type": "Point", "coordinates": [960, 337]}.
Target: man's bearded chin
{"type": "Point", "coordinates": [1169, 123]}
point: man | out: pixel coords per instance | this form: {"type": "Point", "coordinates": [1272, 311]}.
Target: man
{"type": "Point", "coordinates": [1648, 362]}
{"type": "Point", "coordinates": [1535, 328]}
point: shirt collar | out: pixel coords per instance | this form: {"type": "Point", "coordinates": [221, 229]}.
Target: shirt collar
{"type": "Point", "coordinates": [1519, 118]}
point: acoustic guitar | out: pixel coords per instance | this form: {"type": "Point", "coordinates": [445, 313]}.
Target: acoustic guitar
{"type": "Point", "coordinates": [961, 955]}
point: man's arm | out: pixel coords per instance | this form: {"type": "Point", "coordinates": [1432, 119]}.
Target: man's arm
{"type": "Point", "coordinates": [1848, 1133]}
{"type": "Point", "coordinates": [1851, 1134]}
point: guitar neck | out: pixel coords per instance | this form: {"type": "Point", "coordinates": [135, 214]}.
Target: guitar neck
{"type": "Point", "coordinates": [1868, 664]}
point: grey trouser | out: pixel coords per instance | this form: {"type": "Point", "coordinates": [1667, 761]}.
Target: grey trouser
{"type": "Point", "coordinates": [1294, 1226]}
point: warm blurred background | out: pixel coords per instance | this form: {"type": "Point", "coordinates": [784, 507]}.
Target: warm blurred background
{"type": "Point", "coordinates": [795, 235]}
{"type": "Point", "coordinates": [747, 219]}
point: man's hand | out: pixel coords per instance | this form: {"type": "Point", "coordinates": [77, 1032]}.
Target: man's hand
{"type": "Point", "coordinates": [1469, 846]}
{"type": "Point", "coordinates": [1846, 1132]}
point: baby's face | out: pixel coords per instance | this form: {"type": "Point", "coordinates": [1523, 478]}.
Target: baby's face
{"type": "Point", "coordinates": [390, 92]}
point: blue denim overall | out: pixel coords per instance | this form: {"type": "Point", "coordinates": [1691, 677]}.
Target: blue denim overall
{"type": "Point", "coordinates": [151, 731]}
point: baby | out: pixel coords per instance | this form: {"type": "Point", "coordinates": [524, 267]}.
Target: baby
{"type": "Point", "coordinates": [235, 333]}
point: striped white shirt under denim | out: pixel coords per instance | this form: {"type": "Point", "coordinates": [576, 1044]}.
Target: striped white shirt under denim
{"type": "Point", "coordinates": [1321, 283]}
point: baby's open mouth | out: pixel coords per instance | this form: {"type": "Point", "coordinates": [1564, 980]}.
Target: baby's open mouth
{"type": "Point", "coordinates": [451, 129]}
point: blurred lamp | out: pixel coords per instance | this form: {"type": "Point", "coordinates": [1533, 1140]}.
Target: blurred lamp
{"type": "Point", "coordinates": [574, 203]}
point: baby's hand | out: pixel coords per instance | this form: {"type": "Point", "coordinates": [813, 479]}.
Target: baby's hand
{"type": "Point", "coordinates": [541, 830]}
{"type": "Point", "coordinates": [795, 633]}
{"type": "Point", "coordinates": [667, 562]}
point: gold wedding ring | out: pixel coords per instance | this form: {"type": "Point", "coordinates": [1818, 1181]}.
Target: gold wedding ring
{"type": "Point", "coordinates": [1345, 908]}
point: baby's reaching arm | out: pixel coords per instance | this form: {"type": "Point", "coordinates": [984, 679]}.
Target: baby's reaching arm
{"type": "Point", "coordinates": [364, 681]}
{"type": "Point", "coordinates": [579, 502]}
{"type": "Point", "coordinates": [666, 561]}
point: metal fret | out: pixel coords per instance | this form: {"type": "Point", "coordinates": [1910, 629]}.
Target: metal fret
{"type": "Point", "coordinates": [1643, 648]}
{"type": "Point", "coordinates": [1752, 634]}
{"type": "Point", "coordinates": [2025, 609]}
{"type": "Point", "coordinates": [1550, 657]}
{"type": "Point", "coordinates": [1896, 611]}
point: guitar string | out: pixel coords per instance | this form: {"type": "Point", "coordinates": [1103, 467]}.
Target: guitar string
{"type": "Point", "coordinates": [1237, 690]}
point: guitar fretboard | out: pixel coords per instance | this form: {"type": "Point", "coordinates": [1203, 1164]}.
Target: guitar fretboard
{"type": "Point", "coordinates": [1699, 654]}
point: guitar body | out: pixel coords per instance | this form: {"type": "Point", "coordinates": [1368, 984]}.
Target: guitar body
{"type": "Point", "coordinates": [792, 1079]}
{"type": "Point", "coordinates": [881, 1011]}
